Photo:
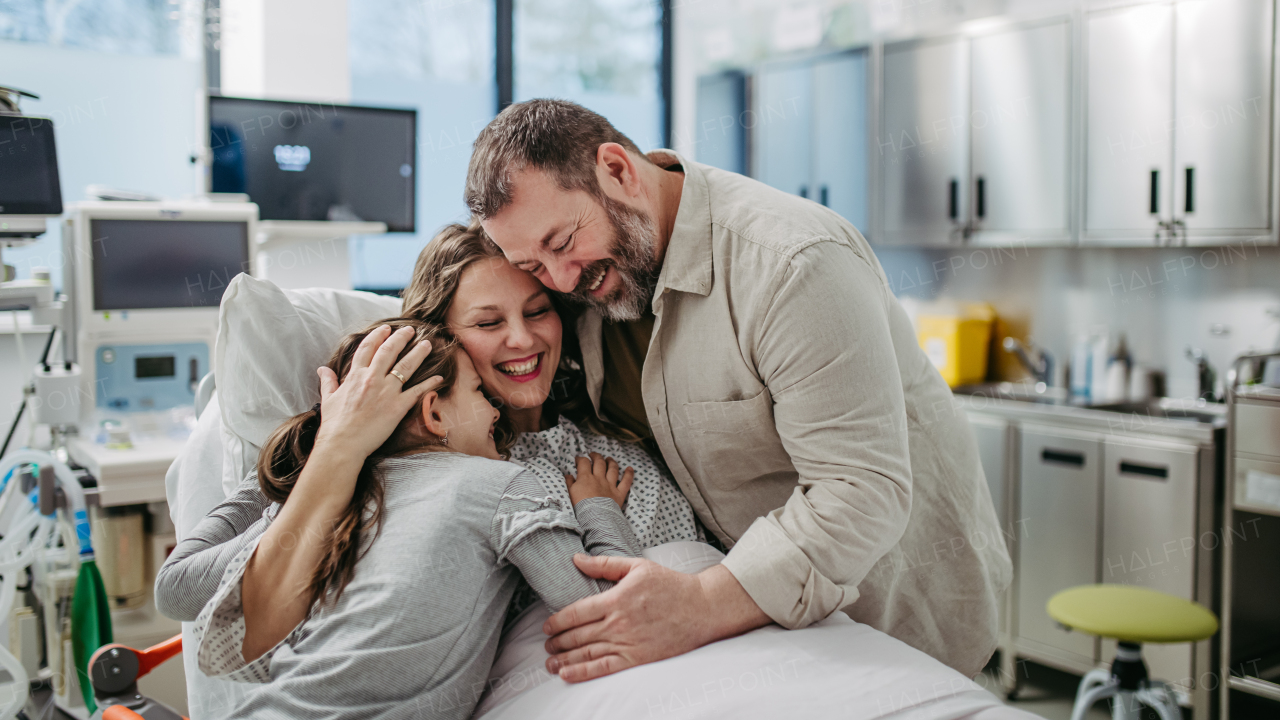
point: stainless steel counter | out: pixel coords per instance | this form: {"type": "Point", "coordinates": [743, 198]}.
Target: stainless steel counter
{"type": "Point", "coordinates": [1186, 419]}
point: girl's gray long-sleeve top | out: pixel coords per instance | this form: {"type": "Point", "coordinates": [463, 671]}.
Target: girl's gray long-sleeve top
{"type": "Point", "coordinates": [415, 631]}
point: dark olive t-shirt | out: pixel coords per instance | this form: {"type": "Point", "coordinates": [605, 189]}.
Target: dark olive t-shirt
{"type": "Point", "coordinates": [624, 345]}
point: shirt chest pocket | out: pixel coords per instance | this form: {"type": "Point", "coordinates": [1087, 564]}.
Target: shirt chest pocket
{"type": "Point", "coordinates": [733, 442]}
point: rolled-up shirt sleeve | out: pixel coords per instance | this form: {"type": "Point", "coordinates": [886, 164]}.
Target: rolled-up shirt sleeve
{"type": "Point", "coordinates": [825, 352]}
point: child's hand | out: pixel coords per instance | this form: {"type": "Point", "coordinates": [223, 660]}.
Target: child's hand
{"type": "Point", "coordinates": [598, 477]}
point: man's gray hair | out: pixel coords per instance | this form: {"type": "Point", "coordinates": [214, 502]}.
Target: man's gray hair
{"type": "Point", "coordinates": [556, 136]}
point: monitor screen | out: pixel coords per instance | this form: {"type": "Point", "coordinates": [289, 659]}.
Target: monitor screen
{"type": "Point", "coordinates": [147, 264]}
{"type": "Point", "coordinates": [160, 366]}
{"type": "Point", "coordinates": [315, 161]}
{"type": "Point", "coordinates": [28, 167]}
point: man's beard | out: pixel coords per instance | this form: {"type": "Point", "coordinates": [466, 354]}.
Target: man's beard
{"type": "Point", "coordinates": [633, 258]}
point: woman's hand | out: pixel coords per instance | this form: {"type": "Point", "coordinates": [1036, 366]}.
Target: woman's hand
{"type": "Point", "coordinates": [359, 414]}
{"type": "Point", "coordinates": [598, 477]}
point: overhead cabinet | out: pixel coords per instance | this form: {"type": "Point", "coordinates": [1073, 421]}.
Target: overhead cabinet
{"type": "Point", "coordinates": [1178, 122]}
{"type": "Point", "coordinates": [720, 138]}
{"type": "Point", "coordinates": [922, 146]}
{"type": "Point", "coordinates": [808, 123]}
{"type": "Point", "coordinates": [973, 138]}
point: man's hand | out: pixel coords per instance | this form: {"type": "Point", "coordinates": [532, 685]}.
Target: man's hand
{"type": "Point", "coordinates": [653, 613]}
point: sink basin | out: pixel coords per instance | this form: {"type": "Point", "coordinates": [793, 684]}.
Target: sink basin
{"type": "Point", "coordinates": [1168, 409]}
{"type": "Point", "coordinates": [1021, 392]}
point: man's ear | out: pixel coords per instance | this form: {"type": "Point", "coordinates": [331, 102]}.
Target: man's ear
{"type": "Point", "coordinates": [431, 417]}
{"type": "Point", "coordinates": [617, 171]}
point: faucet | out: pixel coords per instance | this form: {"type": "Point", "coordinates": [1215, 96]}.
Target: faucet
{"type": "Point", "coordinates": [1041, 367]}
{"type": "Point", "coordinates": [1207, 377]}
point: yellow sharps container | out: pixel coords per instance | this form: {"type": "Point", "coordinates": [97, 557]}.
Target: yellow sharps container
{"type": "Point", "coordinates": [956, 338]}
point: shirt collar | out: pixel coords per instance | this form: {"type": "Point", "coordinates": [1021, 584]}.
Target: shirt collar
{"type": "Point", "coordinates": [686, 266]}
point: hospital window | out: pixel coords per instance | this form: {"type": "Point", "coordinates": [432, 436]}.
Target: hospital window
{"type": "Point", "coordinates": [134, 27]}
{"type": "Point", "coordinates": [442, 57]}
{"type": "Point", "coordinates": [436, 56]}
{"type": "Point", "coordinates": [604, 54]}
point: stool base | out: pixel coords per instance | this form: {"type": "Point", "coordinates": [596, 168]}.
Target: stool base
{"type": "Point", "coordinates": [1125, 704]}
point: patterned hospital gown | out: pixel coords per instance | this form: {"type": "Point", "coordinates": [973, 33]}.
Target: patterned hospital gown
{"type": "Point", "coordinates": [656, 509]}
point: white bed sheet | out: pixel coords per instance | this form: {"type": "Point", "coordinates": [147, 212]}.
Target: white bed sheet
{"type": "Point", "coordinates": [834, 669]}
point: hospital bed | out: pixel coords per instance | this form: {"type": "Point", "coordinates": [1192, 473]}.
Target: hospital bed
{"type": "Point", "coordinates": [269, 343]}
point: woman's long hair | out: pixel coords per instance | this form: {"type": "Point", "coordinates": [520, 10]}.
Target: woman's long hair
{"type": "Point", "coordinates": [436, 276]}
{"type": "Point", "coordinates": [286, 451]}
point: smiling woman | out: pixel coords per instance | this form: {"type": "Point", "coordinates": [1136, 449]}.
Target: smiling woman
{"type": "Point", "coordinates": [505, 320]}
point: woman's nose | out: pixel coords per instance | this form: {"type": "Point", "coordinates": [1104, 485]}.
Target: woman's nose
{"type": "Point", "coordinates": [520, 336]}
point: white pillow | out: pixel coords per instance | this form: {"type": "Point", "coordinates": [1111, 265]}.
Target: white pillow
{"type": "Point", "coordinates": [270, 342]}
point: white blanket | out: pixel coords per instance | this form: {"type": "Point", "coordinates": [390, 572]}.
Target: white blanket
{"type": "Point", "coordinates": [834, 669]}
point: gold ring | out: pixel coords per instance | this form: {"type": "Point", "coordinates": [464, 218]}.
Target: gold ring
{"type": "Point", "coordinates": [399, 377]}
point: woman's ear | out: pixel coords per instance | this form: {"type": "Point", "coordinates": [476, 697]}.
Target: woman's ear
{"type": "Point", "coordinates": [432, 420]}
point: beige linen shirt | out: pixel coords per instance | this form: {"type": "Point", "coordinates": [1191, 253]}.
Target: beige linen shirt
{"type": "Point", "coordinates": [789, 397]}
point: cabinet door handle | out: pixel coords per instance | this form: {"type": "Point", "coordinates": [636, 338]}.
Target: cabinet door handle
{"type": "Point", "coordinates": [1160, 472]}
{"type": "Point", "coordinates": [1190, 205]}
{"type": "Point", "coordinates": [1049, 456]}
{"type": "Point", "coordinates": [804, 191]}
{"type": "Point", "coordinates": [1155, 192]}
{"type": "Point", "coordinates": [982, 197]}
{"type": "Point", "coordinates": [953, 199]}
{"type": "Point", "coordinates": [822, 195]}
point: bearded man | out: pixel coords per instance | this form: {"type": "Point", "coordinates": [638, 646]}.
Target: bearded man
{"type": "Point", "coordinates": [751, 336]}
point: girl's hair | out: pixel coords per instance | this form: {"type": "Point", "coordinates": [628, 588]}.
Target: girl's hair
{"type": "Point", "coordinates": [286, 451]}
{"type": "Point", "coordinates": [436, 276]}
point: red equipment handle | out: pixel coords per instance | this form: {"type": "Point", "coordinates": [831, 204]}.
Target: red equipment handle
{"type": "Point", "coordinates": [147, 659]}
{"type": "Point", "coordinates": [151, 657]}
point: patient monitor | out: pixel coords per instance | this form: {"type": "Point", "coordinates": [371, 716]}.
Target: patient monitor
{"type": "Point", "coordinates": [147, 283]}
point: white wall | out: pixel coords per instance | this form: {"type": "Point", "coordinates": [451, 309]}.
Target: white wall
{"type": "Point", "coordinates": [294, 49]}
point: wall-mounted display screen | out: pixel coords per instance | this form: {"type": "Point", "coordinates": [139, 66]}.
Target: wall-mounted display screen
{"type": "Point", "coordinates": [316, 161]}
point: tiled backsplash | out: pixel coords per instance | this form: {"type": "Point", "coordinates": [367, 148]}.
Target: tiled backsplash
{"type": "Point", "coordinates": [1162, 299]}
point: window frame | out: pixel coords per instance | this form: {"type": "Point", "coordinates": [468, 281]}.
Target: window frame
{"type": "Point", "coordinates": [504, 60]}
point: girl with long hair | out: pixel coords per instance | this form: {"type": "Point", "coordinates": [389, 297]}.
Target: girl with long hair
{"type": "Point", "coordinates": [402, 596]}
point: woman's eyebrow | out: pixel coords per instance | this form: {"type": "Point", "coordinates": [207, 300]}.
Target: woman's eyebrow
{"type": "Point", "coordinates": [483, 308]}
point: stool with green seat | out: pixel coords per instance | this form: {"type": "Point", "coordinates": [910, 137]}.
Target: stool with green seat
{"type": "Point", "coordinates": [1132, 616]}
